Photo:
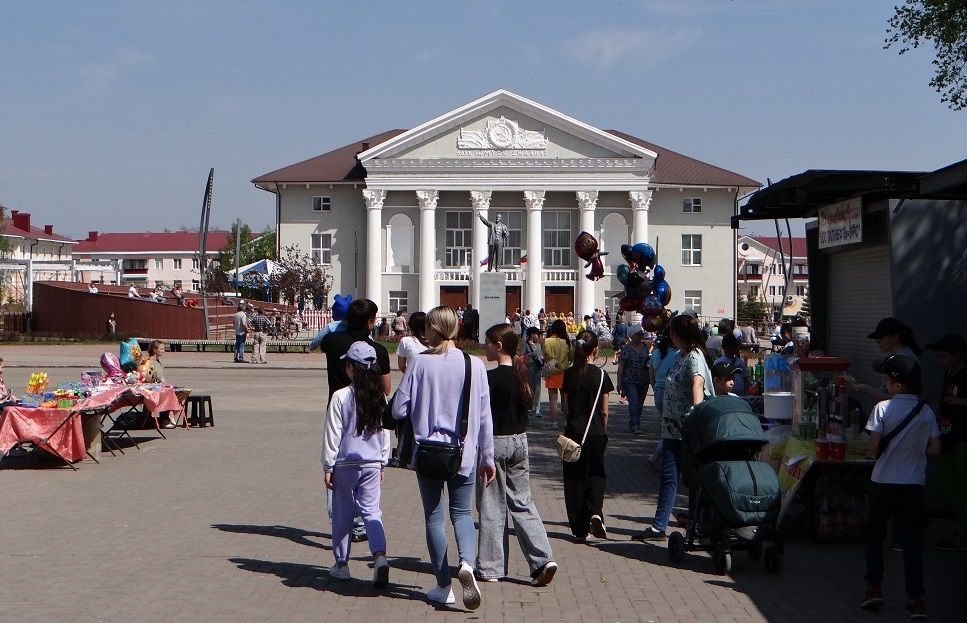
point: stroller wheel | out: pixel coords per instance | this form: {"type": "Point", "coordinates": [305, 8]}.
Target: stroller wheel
{"type": "Point", "coordinates": [722, 561]}
{"type": "Point", "coordinates": [773, 559]}
{"type": "Point", "coordinates": [676, 547]}
{"type": "Point", "coordinates": [755, 552]}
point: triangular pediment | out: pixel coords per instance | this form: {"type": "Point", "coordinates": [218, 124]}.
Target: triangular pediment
{"type": "Point", "coordinates": [505, 125]}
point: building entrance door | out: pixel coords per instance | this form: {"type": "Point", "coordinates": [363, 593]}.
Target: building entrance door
{"type": "Point", "coordinates": [559, 299]}
{"type": "Point", "coordinates": [454, 296]}
{"type": "Point", "coordinates": [513, 300]}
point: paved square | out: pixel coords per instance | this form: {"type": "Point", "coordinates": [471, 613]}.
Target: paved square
{"type": "Point", "coordinates": [229, 524]}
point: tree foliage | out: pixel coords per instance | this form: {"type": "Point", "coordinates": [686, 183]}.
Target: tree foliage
{"type": "Point", "coordinates": [750, 309]}
{"type": "Point", "coordinates": [252, 250]}
{"type": "Point", "coordinates": [298, 278]}
{"type": "Point", "coordinates": [944, 23]}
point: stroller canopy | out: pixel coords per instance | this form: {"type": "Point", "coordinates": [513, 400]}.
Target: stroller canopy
{"type": "Point", "coordinates": [727, 420]}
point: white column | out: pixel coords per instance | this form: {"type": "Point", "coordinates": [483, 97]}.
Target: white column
{"type": "Point", "coordinates": [374, 244]}
{"type": "Point", "coordinates": [429, 295]}
{"type": "Point", "coordinates": [587, 200]}
{"type": "Point", "coordinates": [481, 207]}
{"type": "Point", "coordinates": [534, 297]}
{"type": "Point", "coordinates": [640, 203]}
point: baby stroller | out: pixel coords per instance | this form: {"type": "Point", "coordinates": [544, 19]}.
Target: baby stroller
{"type": "Point", "coordinates": [733, 499]}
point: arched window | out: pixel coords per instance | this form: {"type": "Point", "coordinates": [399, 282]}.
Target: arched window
{"type": "Point", "coordinates": [614, 233]}
{"type": "Point", "coordinates": [399, 244]}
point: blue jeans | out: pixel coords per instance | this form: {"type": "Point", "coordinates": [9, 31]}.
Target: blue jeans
{"type": "Point", "coordinates": [460, 498]}
{"type": "Point", "coordinates": [240, 347]}
{"type": "Point", "coordinates": [635, 393]}
{"type": "Point", "coordinates": [671, 458]}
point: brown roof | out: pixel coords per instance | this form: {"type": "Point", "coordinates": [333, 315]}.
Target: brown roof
{"type": "Point", "coordinates": [798, 244]}
{"type": "Point", "coordinates": [340, 165]}
{"type": "Point", "coordinates": [35, 232]}
{"type": "Point", "coordinates": [149, 242]}
{"type": "Point", "coordinates": [675, 168]}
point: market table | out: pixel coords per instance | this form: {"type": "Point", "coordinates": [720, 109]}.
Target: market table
{"type": "Point", "coordinates": [57, 431]}
{"type": "Point", "coordinates": [155, 398]}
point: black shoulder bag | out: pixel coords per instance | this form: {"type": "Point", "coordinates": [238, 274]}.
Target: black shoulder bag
{"type": "Point", "coordinates": [439, 460]}
{"type": "Point", "coordinates": [887, 438]}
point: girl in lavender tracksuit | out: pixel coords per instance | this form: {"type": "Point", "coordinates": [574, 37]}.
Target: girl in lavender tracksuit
{"type": "Point", "coordinates": [355, 449]}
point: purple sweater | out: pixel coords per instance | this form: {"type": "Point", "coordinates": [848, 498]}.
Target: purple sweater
{"type": "Point", "coordinates": [341, 446]}
{"type": "Point", "coordinates": [429, 395]}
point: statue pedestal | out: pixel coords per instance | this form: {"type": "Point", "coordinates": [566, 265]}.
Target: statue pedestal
{"type": "Point", "coordinates": [493, 300]}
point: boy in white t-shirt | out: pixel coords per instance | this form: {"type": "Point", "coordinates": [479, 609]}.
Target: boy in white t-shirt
{"type": "Point", "coordinates": [910, 431]}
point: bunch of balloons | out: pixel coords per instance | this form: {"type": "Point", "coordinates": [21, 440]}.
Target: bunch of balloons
{"type": "Point", "coordinates": [646, 290]}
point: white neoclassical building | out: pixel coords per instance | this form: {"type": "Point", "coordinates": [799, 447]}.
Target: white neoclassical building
{"type": "Point", "coordinates": [394, 216]}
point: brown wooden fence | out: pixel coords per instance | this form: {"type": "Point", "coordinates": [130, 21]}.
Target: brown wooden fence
{"type": "Point", "coordinates": [68, 309]}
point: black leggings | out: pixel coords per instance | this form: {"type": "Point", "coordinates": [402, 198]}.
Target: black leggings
{"type": "Point", "coordinates": [905, 504]}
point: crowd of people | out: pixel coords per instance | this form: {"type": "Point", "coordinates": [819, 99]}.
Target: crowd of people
{"type": "Point", "coordinates": [464, 429]}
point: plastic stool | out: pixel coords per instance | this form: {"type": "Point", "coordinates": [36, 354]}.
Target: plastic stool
{"type": "Point", "coordinates": [200, 416]}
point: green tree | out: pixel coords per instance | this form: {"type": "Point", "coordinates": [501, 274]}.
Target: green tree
{"type": "Point", "coordinates": [298, 278]}
{"type": "Point", "coordinates": [750, 309]}
{"type": "Point", "coordinates": [804, 312]}
{"type": "Point", "coordinates": [943, 23]}
{"type": "Point", "coordinates": [252, 249]}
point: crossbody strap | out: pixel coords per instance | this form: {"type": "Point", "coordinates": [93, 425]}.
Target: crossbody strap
{"type": "Point", "coordinates": [594, 407]}
{"type": "Point", "coordinates": [464, 415]}
{"type": "Point", "coordinates": [887, 438]}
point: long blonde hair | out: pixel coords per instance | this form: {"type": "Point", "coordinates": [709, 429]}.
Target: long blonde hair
{"type": "Point", "coordinates": [443, 321]}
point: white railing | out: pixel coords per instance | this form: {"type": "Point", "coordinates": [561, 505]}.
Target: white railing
{"type": "Point", "coordinates": [452, 274]}
{"type": "Point", "coordinates": [567, 275]}
{"type": "Point", "coordinates": [314, 320]}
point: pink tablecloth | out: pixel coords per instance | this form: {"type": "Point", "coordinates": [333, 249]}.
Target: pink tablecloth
{"type": "Point", "coordinates": [154, 397]}
{"type": "Point", "coordinates": [20, 424]}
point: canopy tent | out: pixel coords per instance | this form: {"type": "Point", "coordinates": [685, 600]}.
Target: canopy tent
{"type": "Point", "coordinates": [262, 268]}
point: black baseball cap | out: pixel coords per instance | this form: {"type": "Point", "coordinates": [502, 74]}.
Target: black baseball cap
{"type": "Point", "coordinates": [899, 368]}
{"type": "Point", "coordinates": [887, 326]}
{"type": "Point", "coordinates": [724, 370]}
{"type": "Point", "coordinates": [949, 343]}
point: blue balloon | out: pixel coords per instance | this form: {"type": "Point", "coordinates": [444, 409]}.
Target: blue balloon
{"type": "Point", "coordinates": [627, 253]}
{"type": "Point", "coordinates": [644, 254]}
{"type": "Point", "coordinates": [658, 274]}
{"type": "Point", "coordinates": [663, 291]}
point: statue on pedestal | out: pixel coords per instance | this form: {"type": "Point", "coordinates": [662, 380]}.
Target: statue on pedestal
{"type": "Point", "coordinates": [496, 241]}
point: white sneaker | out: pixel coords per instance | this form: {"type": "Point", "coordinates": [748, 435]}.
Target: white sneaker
{"type": "Point", "coordinates": [337, 572]}
{"type": "Point", "coordinates": [441, 595]}
{"type": "Point", "coordinates": [545, 574]}
{"type": "Point", "coordinates": [471, 591]}
{"type": "Point", "coordinates": [380, 572]}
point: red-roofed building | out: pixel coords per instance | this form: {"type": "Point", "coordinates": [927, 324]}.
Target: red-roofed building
{"type": "Point", "coordinates": [147, 259]}
{"type": "Point", "coordinates": [394, 216]}
{"type": "Point", "coordinates": [762, 273]}
{"type": "Point", "coordinates": [35, 254]}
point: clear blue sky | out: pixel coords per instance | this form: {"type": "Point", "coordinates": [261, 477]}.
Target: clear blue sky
{"type": "Point", "coordinates": [112, 112]}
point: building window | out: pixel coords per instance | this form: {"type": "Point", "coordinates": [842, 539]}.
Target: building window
{"type": "Point", "coordinates": [753, 269]}
{"type": "Point", "coordinates": [693, 300]}
{"type": "Point", "coordinates": [692, 205]}
{"type": "Point", "coordinates": [777, 269]}
{"type": "Point", "coordinates": [177, 264]}
{"type": "Point", "coordinates": [458, 239]}
{"type": "Point", "coordinates": [772, 290]}
{"type": "Point", "coordinates": [194, 263]}
{"type": "Point", "coordinates": [321, 248]}
{"type": "Point", "coordinates": [754, 292]}
{"type": "Point", "coordinates": [557, 239]}
{"type": "Point", "coordinates": [195, 285]}
{"type": "Point", "coordinates": [398, 301]}
{"type": "Point", "coordinates": [800, 290]}
{"type": "Point", "coordinates": [691, 249]}
{"type": "Point", "coordinates": [159, 264]}
{"type": "Point", "coordinates": [321, 204]}
{"type": "Point", "coordinates": [800, 269]}
{"type": "Point", "coordinates": [514, 222]}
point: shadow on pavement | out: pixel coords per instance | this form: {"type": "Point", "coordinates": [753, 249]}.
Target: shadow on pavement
{"type": "Point", "coordinates": [296, 535]}
{"type": "Point", "coordinates": [298, 575]}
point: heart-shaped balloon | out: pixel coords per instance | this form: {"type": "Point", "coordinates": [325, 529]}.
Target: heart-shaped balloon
{"type": "Point", "coordinates": [628, 304]}
{"type": "Point", "coordinates": [649, 324]}
{"type": "Point", "coordinates": [621, 272]}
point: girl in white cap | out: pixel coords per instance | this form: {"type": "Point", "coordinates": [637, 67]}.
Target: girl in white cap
{"type": "Point", "coordinates": [355, 450]}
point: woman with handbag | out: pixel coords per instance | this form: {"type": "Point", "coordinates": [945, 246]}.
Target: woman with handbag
{"type": "Point", "coordinates": [446, 397]}
{"type": "Point", "coordinates": [688, 383]}
{"type": "Point", "coordinates": [557, 357]}
{"type": "Point", "coordinates": [510, 400]}
{"type": "Point", "coordinates": [585, 394]}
